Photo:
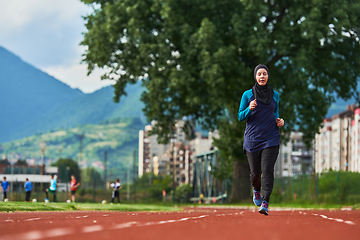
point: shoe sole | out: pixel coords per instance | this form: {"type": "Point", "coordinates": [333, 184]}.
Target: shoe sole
{"type": "Point", "coordinates": [263, 211]}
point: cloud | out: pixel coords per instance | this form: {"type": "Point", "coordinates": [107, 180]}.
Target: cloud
{"type": "Point", "coordinates": [42, 32]}
{"type": "Point", "coordinates": [47, 34]}
{"type": "Point", "coordinates": [75, 76]}
{"type": "Point", "coordinates": [19, 14]}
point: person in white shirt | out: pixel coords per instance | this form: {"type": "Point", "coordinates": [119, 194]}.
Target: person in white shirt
{"type": "Point", "coordinates": [116, 187]}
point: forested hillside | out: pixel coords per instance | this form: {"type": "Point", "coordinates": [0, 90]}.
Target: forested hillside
{"type": "Point", "coordinates": [26, 93]}
{"type": "Point", "coordinates": [32, 102]}
{"type": "Point", "coordinates": [118, 137]}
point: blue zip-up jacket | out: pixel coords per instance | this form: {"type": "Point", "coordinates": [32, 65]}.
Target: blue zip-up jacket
{"type": "Point", "coordinates": [28, 186]}
{"type": "Point", "coordinates": [261, 129]}
{"type": "Point", "coordinates": [5, 185]}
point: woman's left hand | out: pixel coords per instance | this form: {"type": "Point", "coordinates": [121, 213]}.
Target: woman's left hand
{"type": "Point", "coordinates": [280, 122]}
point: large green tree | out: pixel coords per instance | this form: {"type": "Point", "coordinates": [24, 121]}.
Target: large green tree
{"type": "Point", "coordinates": [196, 58]}
{"type": "Point", "coordinates": [91, 178]}
{"type": "Point", "coordinates": [66, 168]}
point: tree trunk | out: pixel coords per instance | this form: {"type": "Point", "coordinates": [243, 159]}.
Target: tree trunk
{"type": "Point", "coordinates": [240, 189]}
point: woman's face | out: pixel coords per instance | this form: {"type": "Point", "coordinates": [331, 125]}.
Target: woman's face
{"type": "Point", "coordinates": [262, 77]}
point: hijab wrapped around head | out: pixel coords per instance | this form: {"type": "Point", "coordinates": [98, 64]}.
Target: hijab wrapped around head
{"type": "Point", "coordinates": [265, 93]}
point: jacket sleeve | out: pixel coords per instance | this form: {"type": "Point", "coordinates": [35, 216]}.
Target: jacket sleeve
{"type": "Point", "coordinates": [244, 108]}
{"type": "Point", "coordinates": [276, 110]}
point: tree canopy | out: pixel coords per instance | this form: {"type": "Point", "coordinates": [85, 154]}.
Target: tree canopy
{"type": "Point", "coordinates": [91, 178]}
{"type": "Point", "coordinates": [66, 168]}
{"type": "Point", "coordinates": [196, 58]}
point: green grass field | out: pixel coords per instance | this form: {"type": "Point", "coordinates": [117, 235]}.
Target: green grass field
{"type": "Point", "coordinates": [61, 206]}
{"type": "Point", "coordinates": [41, 206]}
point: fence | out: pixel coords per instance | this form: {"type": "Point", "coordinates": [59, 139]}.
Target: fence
{"type": "Point", "coordinates": [330, 187]}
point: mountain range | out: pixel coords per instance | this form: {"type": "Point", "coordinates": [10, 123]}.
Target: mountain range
{"type": "Point", "coordinates": [32, 101]}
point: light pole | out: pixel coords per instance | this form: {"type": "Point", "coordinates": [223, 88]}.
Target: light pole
{"type": "Point", "coordinates": [128, 183]}
{"type": "Point", "coordinates": [81, 137]}
{"type": "Point", "coordinates": [174, 168]}
{"type": "Point", "coordinates": [105, 158]}
{"type": "Point", "coordinates": [67, 178]}
{"type": "Point", "coordinates": [42, 149]}
{"type": "Point", "coordinates": [60, 150]}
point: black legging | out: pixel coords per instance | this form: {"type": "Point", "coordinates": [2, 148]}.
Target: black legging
{"type": "Point", "coordinates": [263, 162]}
{"type": "Point", "coordinates": [47, 195]}
{"type": "Point", "coordinates": [115, 194]}
{"type": "Point", "coordinates": [27, 198]}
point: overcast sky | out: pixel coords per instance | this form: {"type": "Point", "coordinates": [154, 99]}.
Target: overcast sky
{"type": "Point", "coordinates": [47, 34]}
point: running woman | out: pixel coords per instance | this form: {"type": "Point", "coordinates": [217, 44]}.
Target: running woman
{"type": "Point", "coordinates": [259, 106]}
{"type": "Point", "coordinates": [73, 187]}
{"type": "Point", "coordinates": [116, 187]}
{"type": "Point", "coordinates": [51, 189]}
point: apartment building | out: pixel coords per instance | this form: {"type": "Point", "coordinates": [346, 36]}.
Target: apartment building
{"type": "Point", "coordinates": [337, 143]}
{"type": "Point", "coordinates": [294, 158]}
{"type": "Point", "coordinates": [176, 156]}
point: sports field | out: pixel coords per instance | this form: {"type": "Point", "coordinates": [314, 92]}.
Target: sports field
{"type": "Point", "coordinates": [189, 223]}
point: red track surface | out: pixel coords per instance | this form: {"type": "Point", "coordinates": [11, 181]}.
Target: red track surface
{"type": "Point", "coordinates": [194, 223]}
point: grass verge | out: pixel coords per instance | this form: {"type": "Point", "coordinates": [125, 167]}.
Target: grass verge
{"type": "Point", "coordinates": [41, 206]}
{"type": "Point", "coordinates": [29, 206]}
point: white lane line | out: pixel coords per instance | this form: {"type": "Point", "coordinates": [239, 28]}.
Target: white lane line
{"type": "Point", "coordinates": [32, 219]}
{"type": "Point", "coordinates": [34, 235]}
{"type": "Point", "coordinates": [57, 232]}
{"type": "Point", "coordinates": [124, 225]}
{"type": "Point", "coordinates": [162, 222]}
{"type": "Point", "coordinates": [349, 222]}
{"type": "Point", "coordinates": [105, 215]}
{"type": "Point", "coordinates": [330, 218]}
{"type": "Point", "coordinates": [92, 228]}
{"type": "Point", "coordinates": [199, 217]}
{"type": "Point", "coordinates": [229, 214]}
{"type": "Point", "coordinates": [31, 235]}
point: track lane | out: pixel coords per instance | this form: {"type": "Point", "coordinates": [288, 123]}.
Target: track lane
{"type": "Point", "coordinates": [194, 223]}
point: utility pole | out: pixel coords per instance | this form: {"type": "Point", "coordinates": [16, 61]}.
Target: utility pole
{"type": "Point", "coordinates": [60, 150]}
{"type": "Point", "coordinates": [12, 182]}
{"type": "Point", "coordinates": [174, 171]}
{"type": "Point", "coordinates": [93, 177]}
{"type": "Point", "coordinates": [42, 149]}
{"type": "Point", "coordinates": [128, 182]}
{"type": "Point", "coordinates": [105, 156]}
{"type": "Point", "coordinates": [81, 137]}
{"type": "Point", "coordinates": [134, 174]}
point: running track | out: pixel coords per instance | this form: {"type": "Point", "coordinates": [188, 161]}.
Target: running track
{"type": "Point", "coordinates": [193, 223]}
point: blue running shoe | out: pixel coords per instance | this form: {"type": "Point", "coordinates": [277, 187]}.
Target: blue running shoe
{"type": "Point", "coordinates": [257, 198]}
{"type": "Point", "coordinates": [264, 208]}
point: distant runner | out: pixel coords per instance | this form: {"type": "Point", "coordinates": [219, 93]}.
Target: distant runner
{"type": "Point", "coordinates": [73, 187]}
{"type": "Point", "coordinates": [51, 189]}
{"type": "Point", "coordinates": [116, 187]}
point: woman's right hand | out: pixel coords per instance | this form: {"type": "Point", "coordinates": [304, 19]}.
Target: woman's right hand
{"type": "Point", "coordinates": [253, 104]}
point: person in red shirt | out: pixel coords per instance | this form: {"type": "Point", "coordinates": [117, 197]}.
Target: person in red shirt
{"type": "Point", "coordinates": [73, 187]}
